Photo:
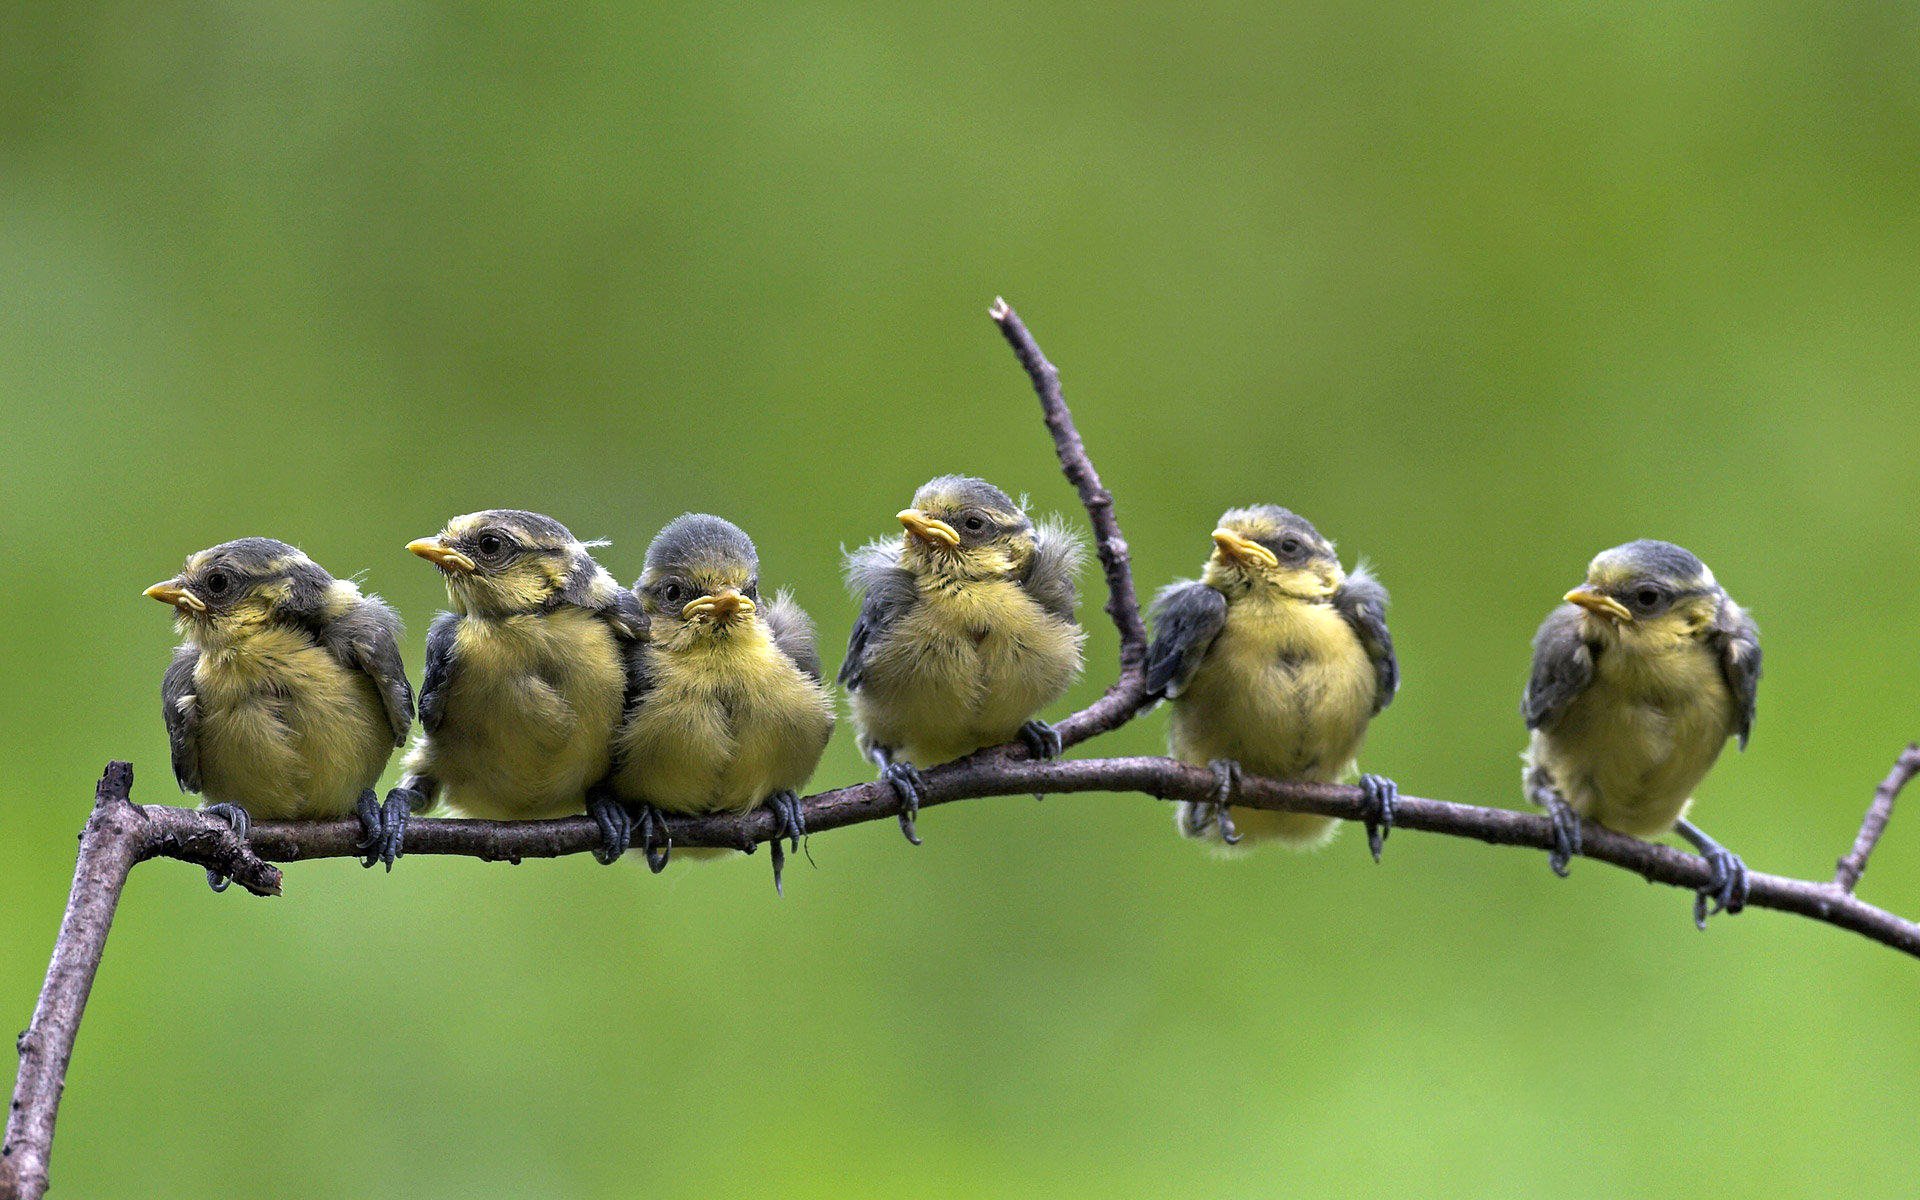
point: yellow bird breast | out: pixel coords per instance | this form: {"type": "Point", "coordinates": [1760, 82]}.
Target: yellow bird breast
{"type": "Point", "coordinates": [724, 725]}
{"type": "Point", "coordinates": [964, 668]}
{"type": "Point", "coordinates": [286, 731]}
{"type": "Point", "coordinates": [531, 708]}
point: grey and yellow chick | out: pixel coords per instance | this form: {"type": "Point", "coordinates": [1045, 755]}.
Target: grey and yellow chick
{"type": "Point", "coordinates": [526, 676]}
{"type": "Point", "coordinates": [286, 695]}
{"type": "Point", "coordinates": [966, 631]}
{"type": "Point", "coordinates": [727, 711]}
{"type": "Point", "coordinates": [1638, 681]}
{"type": "Point", "coordinates": [1274, 661]}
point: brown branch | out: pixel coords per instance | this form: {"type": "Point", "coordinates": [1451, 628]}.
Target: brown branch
{"type": "Point", "coordinates": [1853, 864]}
{"type": "Point", "coordinates": [120, 834]}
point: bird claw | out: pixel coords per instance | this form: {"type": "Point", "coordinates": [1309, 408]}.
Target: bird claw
{"type": "Point", "coordinates": [655, 843]}
{"type": "Point", "coordinates": [1226, 785]}
{"type": "Point", "coordinates": [1381, 793]}
{"type": "Point", "coordinates": [1043, 740]}
{"type": "Point", "coordinates": [790, 823]}
{"type": "Point", "coordinates": [1727, 889]}
{"type": "Point", "coordinates": [383, 829]}
{"type": "Point", "coordinates": [241, 824]}
{"type": "Point", "coordinates": [616, 826]}
{"type": "Point", "coordinates": [907, 784]}
{"type": "Point", "coordinates": [1566, 835]}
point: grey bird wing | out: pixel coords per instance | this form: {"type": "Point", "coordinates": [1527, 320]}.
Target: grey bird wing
{"type": "Point", "coordinates": [1736, 639]}
{"type": "Point", "coordinates": [1362, 600]}
{"type": "Point", "coordinates": [1562, 667]}
{"type": "Point", "coordinates": [433, 685]}
{"type": "Point", "coordinates": [367, 639]}
{"type": "Point", "coordinates": [888, 593]}
{"type": "Point", "coordinates": [793, 634]}
{"type": "Point", "coordinates": [182, 711]}
{"type": "Point", "coordinates": [1186, 618]}
{"type": "Point", "coordinates": [1058, 555]}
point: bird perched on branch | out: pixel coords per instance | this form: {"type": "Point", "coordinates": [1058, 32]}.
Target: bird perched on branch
{"type": "Point", "coordinates": [287, 695]}
{"type": "Point", "coordinates": [966, 631]}
{"type": "Point", "coordinates": [526, 677]}
{"type": "Point", "coordinates": [726, 711]}
{"type": "Point", "coordinates": [1638, 681]}
{"type": "Point", "coordinates": [1275, 661]}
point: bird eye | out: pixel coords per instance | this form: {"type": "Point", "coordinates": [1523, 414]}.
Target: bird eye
{"type": "Point", "coordinates": [671, 593]}
{"type": "Point", "coordinates": [218, 582]}
{"type": "Point", "coordinates": [975, 524]}
{"type": "Point", "coordinates": [490, 543]}
{"type": "Point", "coordinates": [1290, 546]}
{"type": "Point", "coordinates": [1647, 597]}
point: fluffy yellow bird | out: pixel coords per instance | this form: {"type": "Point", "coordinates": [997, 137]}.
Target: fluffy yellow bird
{"type": "Point", "coordinates": [1638, 681]}
{"type": "Point", "coordinates": [1275, 660]}
{"type": "Point", "coordinates": [526, 676]}
{"type": "Point", "coordinates": [287, 694]}
{"type": "Point", "coordinates": [966, 631]}
{"type": "Point", "coordinates": [727, 711]}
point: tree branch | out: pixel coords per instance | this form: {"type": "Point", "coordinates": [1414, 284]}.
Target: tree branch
{"type": "Point", "coordinates": [120, 834]}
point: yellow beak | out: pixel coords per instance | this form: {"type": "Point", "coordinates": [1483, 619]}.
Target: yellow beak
{"type": "Point", "coordinates": [722, 606]}
{"type": "Point", "coordinates": [1599, 603]}
{"type": "Point", "coordinates": [436, 551]}
{"type": "Point", "coordinates": [929, 529]}
{"type": "Point", "coordinates": [172, 593]}
{"type": "Point", "coordinates": [1244, 550]}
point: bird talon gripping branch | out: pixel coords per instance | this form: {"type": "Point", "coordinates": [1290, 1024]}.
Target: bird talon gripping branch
{"type": "Point", "coordinates": [1381, 793]}
{"type": "Point", "coordinates": [616, 824]}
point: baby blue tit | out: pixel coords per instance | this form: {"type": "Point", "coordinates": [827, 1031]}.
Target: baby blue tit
{"type": "Point", "coordinates": [1274, 661]}
{"type": "Point", "coordinates": [727, 711]}
{"type": "Point", "coordinates": [965, 632]}
{"type": "Point", "coordinates": [526, 677]}
{"type": "Point", "coordinates": [1638, 681]}
{"type": "Point", "coordinates": [286, 695]}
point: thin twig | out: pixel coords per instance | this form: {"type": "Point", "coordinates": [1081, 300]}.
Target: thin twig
{"type": "Point", "coordinates": [1853, 864]}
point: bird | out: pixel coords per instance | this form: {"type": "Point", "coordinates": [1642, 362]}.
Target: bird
{"type": "Point", "coordinates": [287, 694]}
{"type": "Point", "coordinates": [727, 711]}
{"type": "Point", "coordinates": [526, 676]}
{"type": "Point", "coordinates": [966, 631]}
{"type": "Point", "coordinates": [1274, 661]}
{"type": "Point", "coordinates": [1638, 681]}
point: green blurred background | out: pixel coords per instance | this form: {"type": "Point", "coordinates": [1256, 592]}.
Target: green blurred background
{"type": "Point", "coordinates": [1481, 289]}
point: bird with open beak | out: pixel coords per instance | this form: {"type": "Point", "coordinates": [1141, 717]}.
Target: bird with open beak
{"type": "Point", "coordinates": [966, 631]}
{"type": "Point", "coordinates": [1638, 681]}
{"type": "Point", "coordinates": [1275, 661]}
{"type": "Point", "coordinates": [727, 711]}
{"type": "Point", "coordinates": [286, 695]}
{"type": "Point", "coordinates": [526, 676]}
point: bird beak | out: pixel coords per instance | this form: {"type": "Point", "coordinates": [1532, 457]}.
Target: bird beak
{"type": "Point", "coordinates": [1244, 550]}
{"type": "Point", "coordinates": [722, 606]}
{"type": "Point", "coordinates": [927, 529]}
{"type": "Point", "coordinates": [436, 551]}
{"type": "Point", "coordinates": [172, 593]}
{"type": "Point", "coordinates": [1599, 603]}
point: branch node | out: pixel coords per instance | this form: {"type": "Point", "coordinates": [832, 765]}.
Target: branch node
{"type": "Point", "coordinates": [1853, 863]}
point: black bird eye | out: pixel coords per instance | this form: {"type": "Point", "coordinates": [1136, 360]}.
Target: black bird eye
{"type": "Point", "coordinates": [1647, 597]}
{"type": "Point", "coordinates": [1290, 546]}
{"type": "Point", "coordinates": [490, 543]}
{"type": "Point", "coordinates": [975, 524]}
{"type": "Point", "coordinates": [218, 582]}
{"type": "Point", "coordinates": [671, 593]}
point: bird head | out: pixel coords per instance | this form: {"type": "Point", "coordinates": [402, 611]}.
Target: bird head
{"type": "Point", "coordinates": [965, 528]}
{"type": "Point", "coordinates": [702, 581]}
{"type": "Point", "coordinates": [1266, 548]}
{"type": "Point", "coordinates": [1647, 592]}
{"type": "Point", "coordinates": [236, 587]}
{"type": "Point", "coordinates": [504, 562]}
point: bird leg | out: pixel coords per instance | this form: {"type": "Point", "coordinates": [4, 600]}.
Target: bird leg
{"type": "Point", "coordinates": [616, 823]}
{"type": "Point", "coordinates": [237, 818]}
{"type": "Point", "coordinates": [655, 842]}
{"type": "Point", "coordinates": [1381, 792]}
{"type": "Point", "coordinates": [1566, 822]}
{"type": "Point", "coordinates": [1043, 743]}
{"type": "Point", "coordinates": [789, 822]}
{"type": "Point", "coordinates": [1728, 887]}
{"type": "Point", "coordinates": [904, 779]}
{"type": "Point", "coordinates": [1226, 785]}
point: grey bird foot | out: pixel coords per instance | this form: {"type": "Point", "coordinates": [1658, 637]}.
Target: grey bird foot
{"type": "Point", "coordinates": [1566, 834]}
{"type": "Point", "coordinates": [655, 843]}
{"type": "Point", "coordinates": [1381, 794]}
{"type": "Point", "coordinates": [616, 825]}
{"type": "Point", "coordinates": [1043, 740]}
{"type": "Point", "coordinates": [904, 779]}
{"type": "Point", "coordinates": [789, 823]}
{"type": "Point", "coordinates": [237, 818]}
{"type": "Point", "coordinates": [383, 828]}
{"type": "Point", "coordinates": [1226, 785]}
{"type": "Point", "coordinates": [1727, 890]}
